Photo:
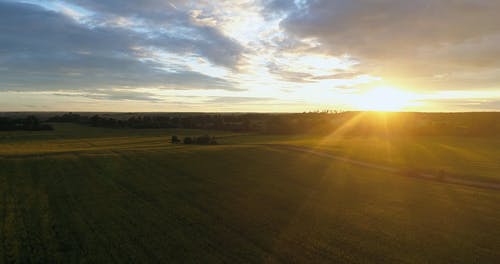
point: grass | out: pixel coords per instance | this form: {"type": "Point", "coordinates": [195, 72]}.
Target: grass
{"type": "Point", "coordinates": [473, 158]}
{"type": "Point", "coordinates": [132, 197]}
{"type": "Point", "coordinates": [77, 138]}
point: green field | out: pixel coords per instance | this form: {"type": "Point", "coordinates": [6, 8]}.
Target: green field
{"type": "Point", "coordinates": [82, 194]}
{"type": "Point", "coordinates": [474, 158]}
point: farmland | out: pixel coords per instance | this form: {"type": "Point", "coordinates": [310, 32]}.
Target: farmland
{"type": "Point", "coordinates": [85, 194]}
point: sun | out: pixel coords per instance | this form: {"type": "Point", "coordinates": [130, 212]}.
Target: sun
{"type": "Point", "coordinates": [383, 99]}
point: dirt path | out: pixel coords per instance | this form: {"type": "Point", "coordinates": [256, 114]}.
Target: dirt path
{"type": "Point", "coordinates": [428, 176]}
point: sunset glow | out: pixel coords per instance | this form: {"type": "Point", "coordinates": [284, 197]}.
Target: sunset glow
{"type": "Point", "coordinates": [384, 99]}
{"type": "Point", "coordinates": [246, 55]}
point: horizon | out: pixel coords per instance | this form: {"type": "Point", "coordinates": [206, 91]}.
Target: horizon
{"type": "Point", "coordinates": [262, 112]}
{"type": "Point", "coordinates": [249, 56]}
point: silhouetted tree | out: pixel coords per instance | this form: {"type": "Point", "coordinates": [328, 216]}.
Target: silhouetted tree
{"type": "Point", "coordinates": [188, 140]}
{"type": "Point", "coordinates": [175, 140]}
{"type": "Point", "coordinates": [31, 123]}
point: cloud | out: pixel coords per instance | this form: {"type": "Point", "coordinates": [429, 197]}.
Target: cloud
{"type": "Point", "coordinates": [114, 95]}
{"type": "Point", "coordinates": [463, 104]}
{"type": "Point", "coordinates": [46, 50]}
{"type": "Point", "coordinates": [273, 8]}
{"type": "Point", "coordinates": [172, 24]}
{"type": "Point", "coordinates": [239, 100]}
{"type": "Point", "coordinates": [405, 40]}
{"type": "Point", "coordinates": [113, 51]}
{"type": "Point", "coordinates": [310, 77]}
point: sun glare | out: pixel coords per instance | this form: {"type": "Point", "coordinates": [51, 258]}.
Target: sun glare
{"type": "Point", "coordinates": [383, 99]}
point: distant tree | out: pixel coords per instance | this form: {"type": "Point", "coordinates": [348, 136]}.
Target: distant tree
{"type": "Point", "coordinates": [175, 140]}
{"type": "Point", "coordinates": [188, 140]}
{"type": "Point", "coordinates": [31, 123]}
{"type": "Point", "coordinates": [203, 140]}
{"type": "Point", "coordinates": [95, 120]}
{"type": "Point", "coordinates": [46, 127]}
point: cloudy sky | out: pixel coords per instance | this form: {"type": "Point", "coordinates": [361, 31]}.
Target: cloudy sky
{"type": "Point", "coordinates": [249, 55]}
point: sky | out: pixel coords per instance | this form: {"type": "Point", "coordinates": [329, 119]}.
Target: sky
{"type": "Point", "coordinates": [249, 55]}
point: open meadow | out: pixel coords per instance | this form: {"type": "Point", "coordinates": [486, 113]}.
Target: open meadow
{"type": "Point", "coordinates": [85, 194]}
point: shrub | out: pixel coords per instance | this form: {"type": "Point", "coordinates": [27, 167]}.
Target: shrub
{"type": "Point", "coordinates": [188, 140]}
{"type": "Point", "coordinates": [201, 140]}
{"type": "Point", "coordinates": [175, 140]}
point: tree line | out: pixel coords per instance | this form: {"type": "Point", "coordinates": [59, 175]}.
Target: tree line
{"type": "Point", "coordinates": [30, 123]}
{"type": "Point", "coordinates": [347, 123]}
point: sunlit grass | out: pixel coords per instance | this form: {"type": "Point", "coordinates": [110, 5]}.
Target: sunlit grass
{"type": "Point", "coordinates": [464, 156]}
